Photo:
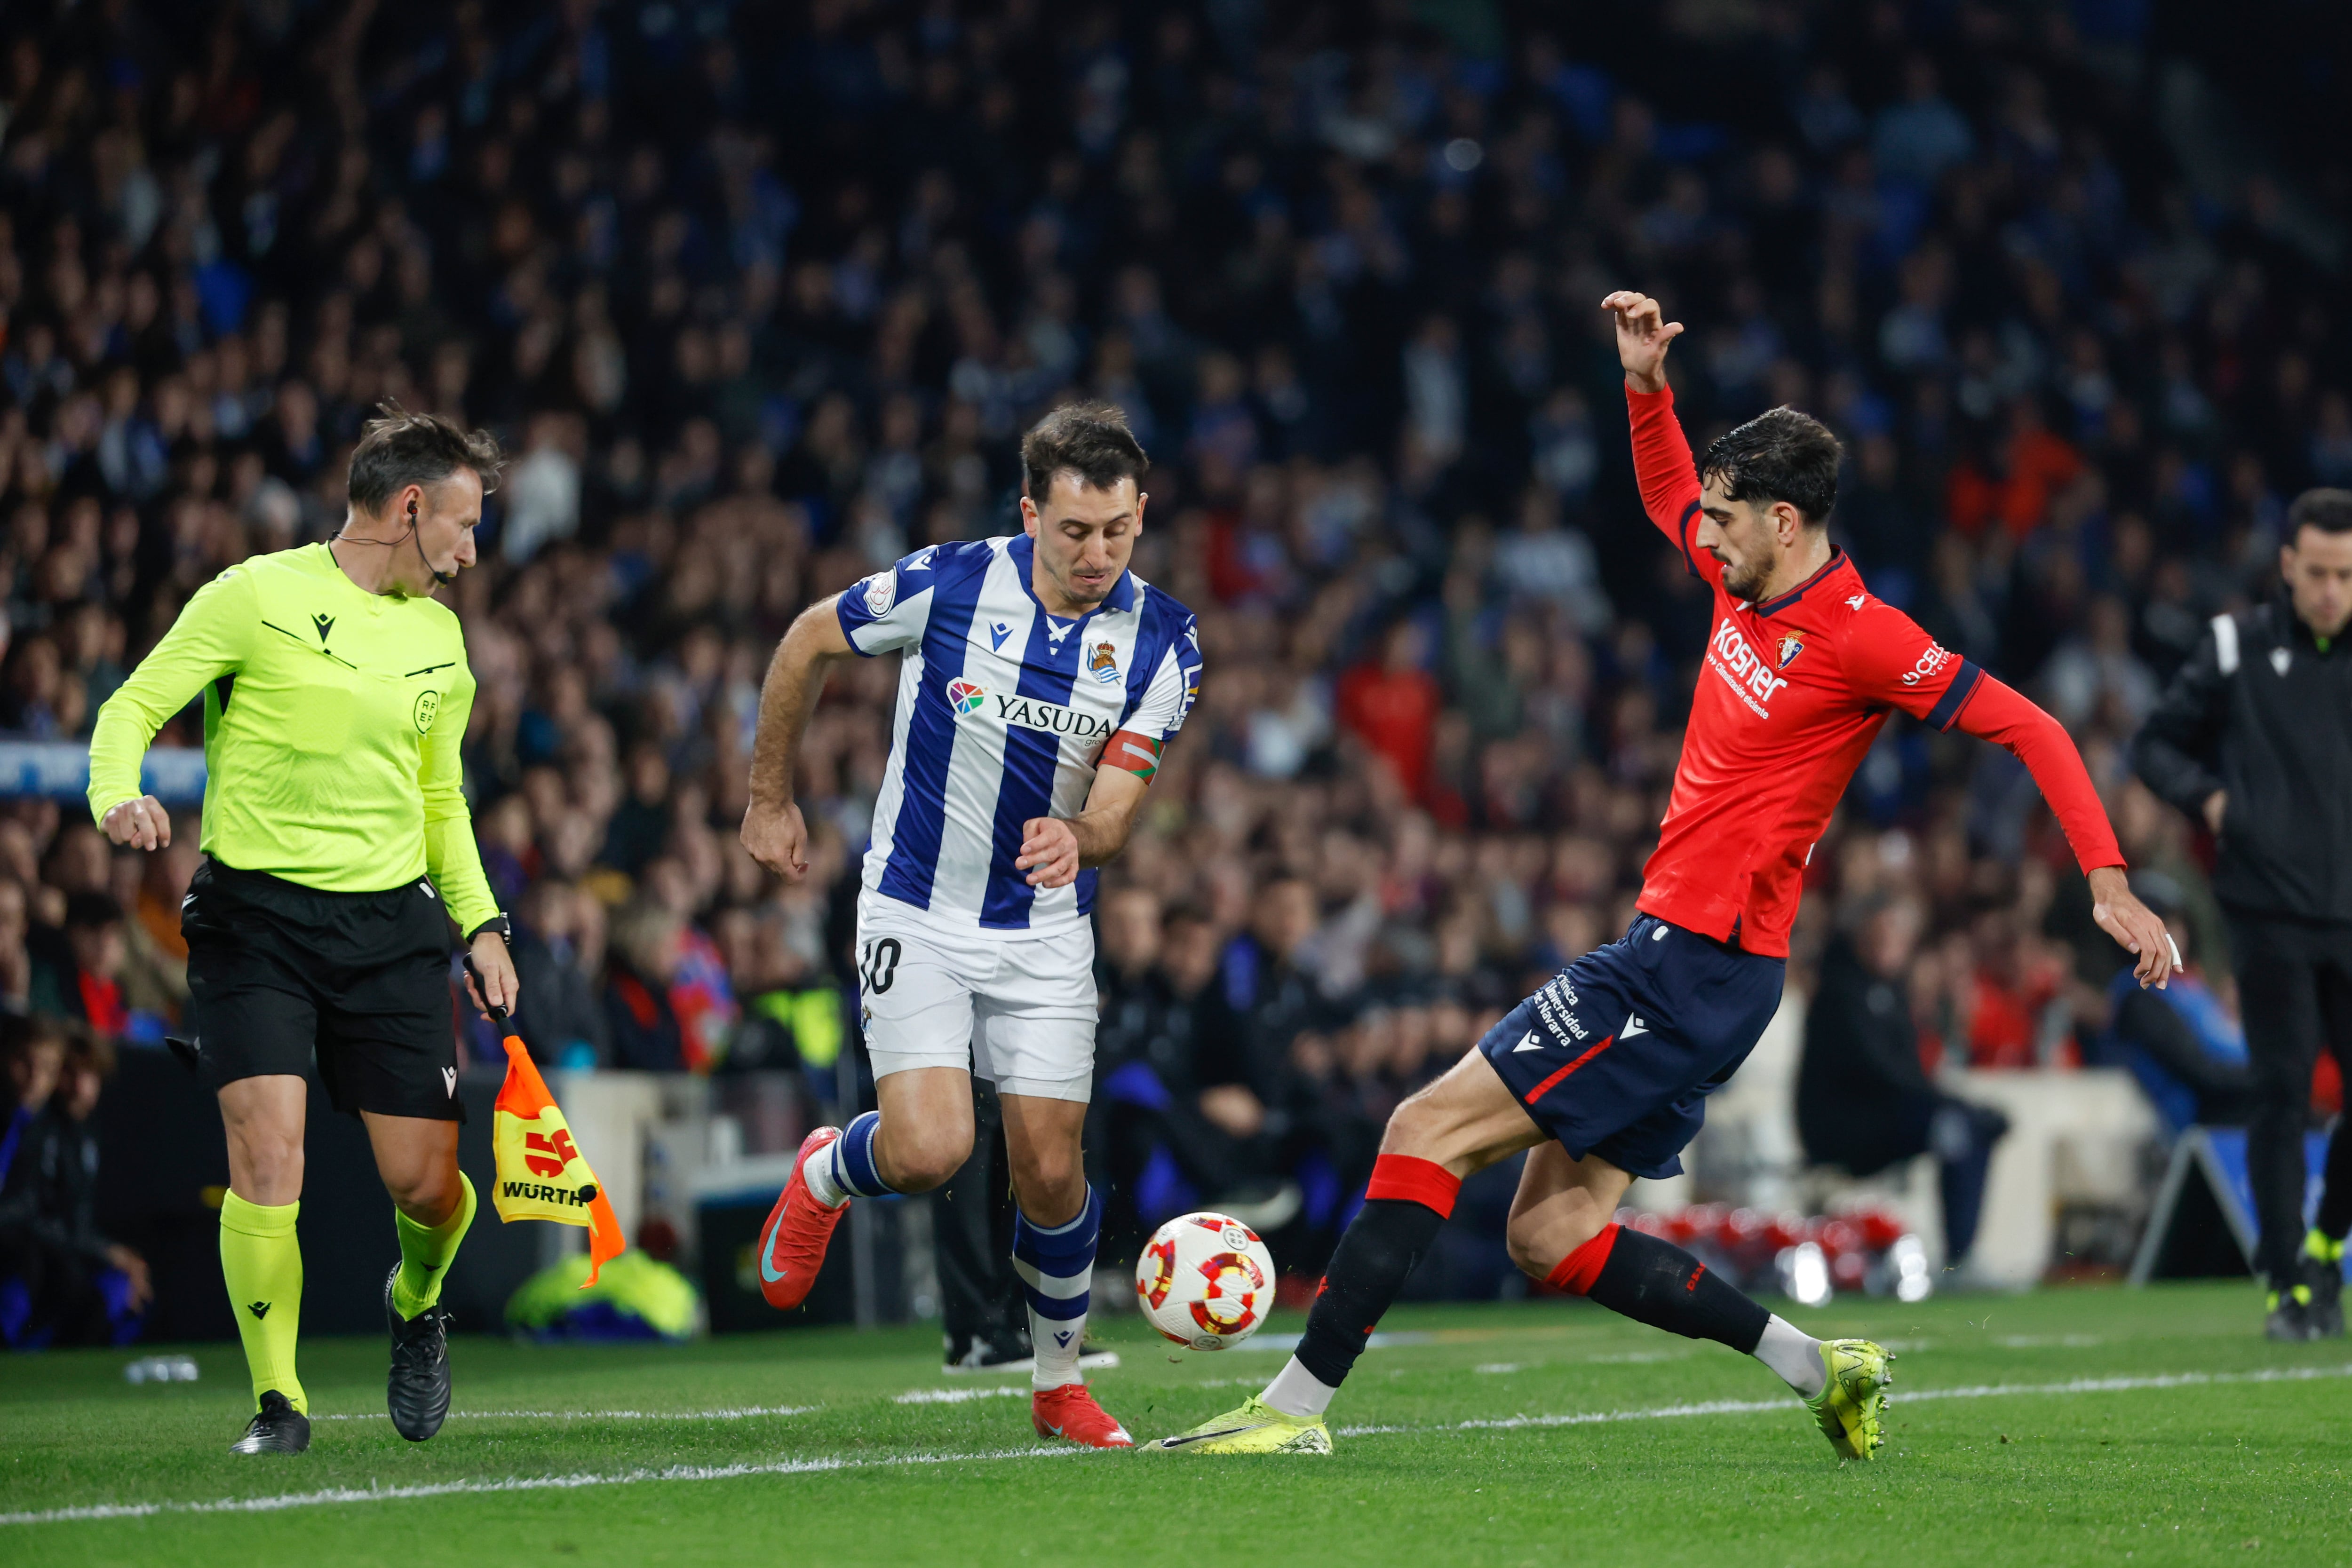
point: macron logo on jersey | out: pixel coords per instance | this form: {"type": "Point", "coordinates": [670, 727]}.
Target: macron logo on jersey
{"type": "Point", "coordinates": [1743, 669]}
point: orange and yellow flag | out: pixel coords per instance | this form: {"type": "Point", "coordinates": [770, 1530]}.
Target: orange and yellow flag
{"type": "Point", "coordinates": [541, 1173]}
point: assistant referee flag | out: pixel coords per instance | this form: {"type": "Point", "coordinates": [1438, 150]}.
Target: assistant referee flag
{"type": "Point", "coordinates": [541, 1173]}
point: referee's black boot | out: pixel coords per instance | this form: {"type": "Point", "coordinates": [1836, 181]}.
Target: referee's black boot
{"type": "Point", "coordinates": [275, 1428]}
{"type": "Point", "coordinates": [2290, 1319]}
{"type": "Point", "coordinates": [418, 1391]}
{"type": "Point", "coordinates": [2327, 1300]}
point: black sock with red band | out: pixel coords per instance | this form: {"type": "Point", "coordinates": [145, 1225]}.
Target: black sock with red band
{"type": "Point", "coordinates": [1406, 1201]}
{"type": "Point", "coordinates": [1653, 1281]}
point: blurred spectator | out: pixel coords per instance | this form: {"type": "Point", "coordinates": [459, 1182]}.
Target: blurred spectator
{"type": "Point", "coordinates": [558, 945]}
{"type": "Point", "coordinates": [1392, 705]}
{"type": "Point", "coordinates": [1182, 1123]}
{"type": "Point", "coordinates": [1863, 1100]}
{"type": "Point", "coordinates": [62, 1281]}
{"type": "Point", "coordinates": [83, 977]}
{"type": "Point", "coordinates": [639, 967]}
{"type": "Point", "coordinates": [2180, 1042]}
{"type": "Point", "coordinates": [15, 959]}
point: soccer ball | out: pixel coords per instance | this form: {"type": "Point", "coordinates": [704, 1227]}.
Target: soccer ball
{"type": "Point", "coordinates": [1205, 1281]}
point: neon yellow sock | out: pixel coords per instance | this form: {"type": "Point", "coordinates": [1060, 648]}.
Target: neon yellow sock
{"type": "Point", "coordinates": [2322, 1247]}
{"type": "Point", "coordinates": [425, 1251]}
{"type": "Point", "coordinates": [261, 1260]}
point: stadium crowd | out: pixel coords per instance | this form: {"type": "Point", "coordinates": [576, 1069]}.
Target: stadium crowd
{"type": "Point", "coordinates": [761, 299]}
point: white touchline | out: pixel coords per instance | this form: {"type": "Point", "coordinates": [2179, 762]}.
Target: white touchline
{"type": "Point", "coordinates": [957, 1395]}
{"type": "Point", "coordinates": [745, 1413]}
{"type": "Point", "coordinates": [1978, 1391]}
{"type": "Point", "coordinates": [94, 1511]}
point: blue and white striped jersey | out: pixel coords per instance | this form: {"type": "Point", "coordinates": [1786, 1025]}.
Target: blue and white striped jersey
{"type": "Point", "coordinates": [1004, 712]}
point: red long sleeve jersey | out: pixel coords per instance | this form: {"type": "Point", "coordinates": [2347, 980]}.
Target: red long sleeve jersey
{"type": "Point", "coordinates": [1793, 692]}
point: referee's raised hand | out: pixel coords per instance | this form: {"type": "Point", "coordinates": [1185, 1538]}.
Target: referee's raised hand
{"type": "Point", "coordinates": [141, 824]}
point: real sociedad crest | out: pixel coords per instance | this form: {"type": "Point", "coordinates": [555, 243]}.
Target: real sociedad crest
{"type": "Point", "coordinates": [1789, 648]}
{"type": "Point", "coordinates": [1103, 660]}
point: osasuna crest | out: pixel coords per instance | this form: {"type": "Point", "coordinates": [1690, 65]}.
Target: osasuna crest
{"type": "Point", "coordinates": [1103, 663]}
{"type": "Point", "coordinates": [1789, 648]}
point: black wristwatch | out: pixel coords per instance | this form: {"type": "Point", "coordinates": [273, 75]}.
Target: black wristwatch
{"type": "Point", "coordinates": [499, 922]}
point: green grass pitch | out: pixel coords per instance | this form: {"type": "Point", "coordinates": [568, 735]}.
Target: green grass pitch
{"type": "Point", "coordinates": [2066, 1426]}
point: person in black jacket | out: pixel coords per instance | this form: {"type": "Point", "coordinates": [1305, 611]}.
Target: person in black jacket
{"type": "Point", "coordinates": [1180, 1114]}
{"type": "Point", "coordinates": [2254, 740]}
{"type": "Point", "coordinates": [62, 1281]}
{"type": "Point", "coordinates": [1863, 1100]}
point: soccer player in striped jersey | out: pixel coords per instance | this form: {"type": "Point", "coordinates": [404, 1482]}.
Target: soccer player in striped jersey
{"type": "Point", "coordinates": [1040, 682]}
{"type": "Point", "coordinates": [1603, 1074]}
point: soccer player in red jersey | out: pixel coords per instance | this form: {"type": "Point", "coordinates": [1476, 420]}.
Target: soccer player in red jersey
{"type": "Point", "coordinates": [1603, 1074]}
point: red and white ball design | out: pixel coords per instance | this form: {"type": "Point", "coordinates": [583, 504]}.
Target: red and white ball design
{"type": "Point", "coordinates": [1205, 1281]}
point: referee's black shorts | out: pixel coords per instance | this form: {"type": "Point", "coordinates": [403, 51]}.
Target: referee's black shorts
{"type": "Point", "coordinates": [277, 971]}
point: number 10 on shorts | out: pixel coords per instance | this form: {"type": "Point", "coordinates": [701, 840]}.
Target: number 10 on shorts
{"type": "Point", "coordinates": [878, 965]}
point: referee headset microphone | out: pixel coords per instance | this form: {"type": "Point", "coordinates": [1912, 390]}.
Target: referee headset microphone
{"type": "Point", "coordinates": [442, 578]}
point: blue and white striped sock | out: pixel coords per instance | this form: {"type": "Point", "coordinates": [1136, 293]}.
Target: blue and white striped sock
{"type": "Point", "coordinates": [845, 1167]}
{"type": "Point", "coordinates": [1057, 1271]}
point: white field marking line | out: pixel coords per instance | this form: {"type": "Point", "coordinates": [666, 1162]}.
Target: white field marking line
{"type": "Point", "coordinates": [1289, 1342]}
{"type": "Point", "coordinates": [1631, 1358]}
{"type": "Point", "coordinates": [745, 1413]}
{"type": "Point", "coordinates": [1977, 1391]}
{"type": "Point", "coordinates": [837, 1462]}
{"type": "Point", "coordinates": [2048, 1341]}
{"type": "Point", "coordinates": [957, 1395]}
{"type": "Point", "coordinates": [336, 1495]}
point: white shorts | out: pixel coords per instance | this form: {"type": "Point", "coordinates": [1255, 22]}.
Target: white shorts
{"type": "Point", "coordinates": [1018, 1010]}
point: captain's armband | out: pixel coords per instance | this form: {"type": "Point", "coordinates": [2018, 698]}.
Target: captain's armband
{"type": "Point", "coordinates": [1139, 754]}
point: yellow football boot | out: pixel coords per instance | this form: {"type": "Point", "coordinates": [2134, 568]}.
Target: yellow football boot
{"type": "Point", "coordinates": [1849, 1406]}
{"type": "Point", "coordinates": [1256, 1428]}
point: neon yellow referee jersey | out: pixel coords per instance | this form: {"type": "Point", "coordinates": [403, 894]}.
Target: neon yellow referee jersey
{"type": "Point", "coordinates": [332, 722]}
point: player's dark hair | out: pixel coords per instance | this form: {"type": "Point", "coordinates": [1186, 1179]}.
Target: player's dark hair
{"type": "Point", "coordinates": [398, 449]}
{"type": "Point", "coordinates": [1090, 440]}
{"type": "Point", "coordinates": [2329, 510]}
{"type": "Point", "coordinates": [1779, 456]}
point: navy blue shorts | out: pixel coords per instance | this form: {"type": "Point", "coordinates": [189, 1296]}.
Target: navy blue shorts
{"type": "Point", "coordinates": [1617, 1055]}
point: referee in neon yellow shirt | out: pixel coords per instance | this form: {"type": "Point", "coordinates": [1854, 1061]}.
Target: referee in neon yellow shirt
{"type": "Point", "coordinates": [337, 850]}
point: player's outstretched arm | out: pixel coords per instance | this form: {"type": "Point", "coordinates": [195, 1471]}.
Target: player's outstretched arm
{"type": "Point", "coordinates": [1998, 714]}
{"type": "Point", "coordinates": [1662, 455]}
{"type": "Point", "coordinates": [1054, 849]}
{"type": "Point", "coordinates": [773, 827]}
